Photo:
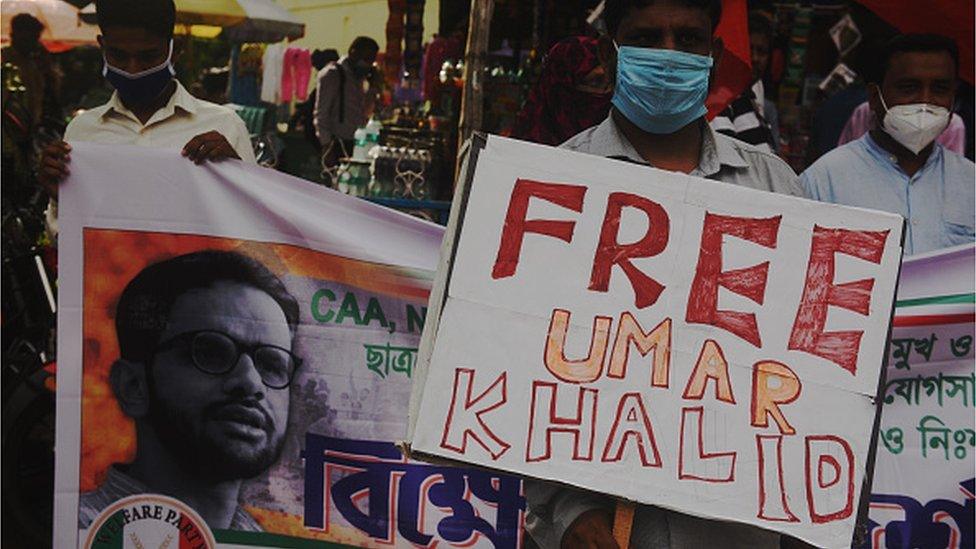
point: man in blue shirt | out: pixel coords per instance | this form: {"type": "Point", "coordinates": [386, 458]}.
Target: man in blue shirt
{"type": "Point", "coordinates": [897, 166]}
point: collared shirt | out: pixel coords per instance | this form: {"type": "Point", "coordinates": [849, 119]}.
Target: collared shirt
{"type": "Point", "coordinates": [118, 485]}
{"type": "Point", "coordinates": [723, 158]}
{"type": "Point", "coordinates": [340, 104]}
{"type": "Point", "coordinates": [173, 126]}
{"type": "Point", "coordinates": [937, 202]}
{"type": "Point", "coordinates": [552, 508]}
{"type": "Point", "coordinates": [180, 120]}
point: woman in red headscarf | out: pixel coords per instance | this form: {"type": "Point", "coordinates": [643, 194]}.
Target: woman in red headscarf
{"type": "Point", "coordinates": [573, 93]}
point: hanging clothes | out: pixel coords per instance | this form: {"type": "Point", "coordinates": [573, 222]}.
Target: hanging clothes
{"type": "Point", "coordinates": [271, 72]}
{"type": "Point", "coordinates": [440, 49]}
{"type": "Point", "coordinates": [246, 63]}
{"type": "Point", "coordinates": [296, 72]}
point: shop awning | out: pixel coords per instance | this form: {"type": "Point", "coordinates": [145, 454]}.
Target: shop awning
{"type": "Point", "coordinates": [241, 20]}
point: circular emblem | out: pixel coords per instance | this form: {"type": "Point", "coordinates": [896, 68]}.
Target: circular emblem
{"type": "Point", "coordinates": [149, 521]}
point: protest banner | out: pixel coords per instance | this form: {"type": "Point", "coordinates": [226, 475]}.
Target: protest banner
{"type": "Point", "coordinates": [167, 435]}
{"type": "Point", "coordinates": [923, 493]}
{"type": "Point", "coordinates": [669, 340]}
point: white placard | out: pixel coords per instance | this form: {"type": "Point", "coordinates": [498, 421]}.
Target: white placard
{"type": "Point", "coordinates": [670, 340]}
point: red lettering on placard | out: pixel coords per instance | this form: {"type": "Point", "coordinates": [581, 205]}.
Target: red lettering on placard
{"type": "Point", "coordinates": [693, 463]}
{"type": "Point", "coordinates": [465, 415]}
{"type": "Point", "coordinates": [516, 225]}
{"type": "Point", "coordinates": [584, 370]}
{"type": "Point", "coordinates": [820, 292]}
{"type": "Point", "coordinates": [766, 399]}
{"type": "Point", "coordinates": [749, 282]}
{"type": "Point", "coordinates": [637, 428]}
{"type": "Point", "coordinates": [657, 340]}
{"type": "Point", "coordinates": [711, 364]}
{"type": "Point", "coordinates": [545, 422]}
{"type": "Point", "coordinates": [819, 456]}
{"type": "Point", "coordinates": [771, 482]}
{"type": "Point", "coordinates": [609, 252]}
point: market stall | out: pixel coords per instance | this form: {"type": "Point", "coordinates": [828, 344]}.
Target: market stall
{"type": "Point", "coordinates": [63, 26]}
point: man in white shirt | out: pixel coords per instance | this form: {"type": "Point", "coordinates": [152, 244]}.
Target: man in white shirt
{"type": "Point", "coordinates": [149, 106]}
{"type": "Point", "coordinates": [341, 104]}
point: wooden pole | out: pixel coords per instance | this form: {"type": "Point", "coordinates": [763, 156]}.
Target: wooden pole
{"type": "Point", "coordinates": [475, 59]}
{"type": "Point", "coordinates": [623, 523]}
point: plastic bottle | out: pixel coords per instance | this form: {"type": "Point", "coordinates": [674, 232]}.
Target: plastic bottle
{"type": "Point", "coordinates": [373, 128]}
{"type": "Point", "coordinates": [362, 145]}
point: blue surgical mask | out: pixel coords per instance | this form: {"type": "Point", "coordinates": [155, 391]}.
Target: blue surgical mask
{"type": "Point", "coordinates": [141, 87]}
{"type": "Point", "coordinates": [661, 91]}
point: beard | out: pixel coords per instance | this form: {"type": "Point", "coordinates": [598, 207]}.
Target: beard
{"type": "Point", "coordinates": [214, 456]}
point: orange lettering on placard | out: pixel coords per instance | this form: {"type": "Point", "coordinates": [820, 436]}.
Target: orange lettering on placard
{"type": "Point", "coordinates": [711, 365]}
{"type": "Point", "coordinates": [657, 340]}
{"type": "Point", "coordinates": [583, 370]}
{"type": "Point", "coordinates": [773, 384]}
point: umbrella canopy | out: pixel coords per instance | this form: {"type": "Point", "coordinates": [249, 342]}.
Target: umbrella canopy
{"type": "Point", "coordinates": [63, 28]}
{"type": "Point", "coordinates": [266, 21]}
{"type": "Point", "coordinates": [242, 20]}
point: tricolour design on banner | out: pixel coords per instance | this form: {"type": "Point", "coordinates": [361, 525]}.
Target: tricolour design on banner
{"type": "Point", "coordinates": [245, 343]}
{"type": "Point", "coordinates": [669, 340]}
{"type": "Point", "coordinates": [149, 520]}
{"type": "Point", "coordinates": [923, 493]}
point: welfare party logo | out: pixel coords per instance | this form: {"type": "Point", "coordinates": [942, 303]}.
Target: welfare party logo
{"type": "Point", "coordinates": [149, 521]}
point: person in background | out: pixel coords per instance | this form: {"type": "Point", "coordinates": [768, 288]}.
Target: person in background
{"type": "Point", "coordinates": [750, 117]}
{"type": "Point", "coordinates": [27, 79]}
{"type": "Point", "coordinates": [149, 106]}
{"type": "Point", "coordinates": [36, 70]}
{"type": "Point", "coordinates": [212, 85]}
{"type": "Point", "coordinates": [661, 54]}
{"type": "Point", "coordinates": [341, 103]}
{"type": "Point", "coordinates": [572, 94]}
{"type": "Point", "coordinates": [304, 118]}
{"type": "Point", "coordinates": [898, 166]}
{"type": "Point", "coordinates": [862, 120]}
{"type": "Point", "coordinates": [441, 49]}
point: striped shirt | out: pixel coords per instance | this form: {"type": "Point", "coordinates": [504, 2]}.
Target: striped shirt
{"type": "Point", "coordinates": [744, 120]}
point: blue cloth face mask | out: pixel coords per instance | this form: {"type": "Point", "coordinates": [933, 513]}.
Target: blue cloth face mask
{"type": "Point", "coordinates": [661, 91]}
{"type": "Point", "coordinates": [143, 86]}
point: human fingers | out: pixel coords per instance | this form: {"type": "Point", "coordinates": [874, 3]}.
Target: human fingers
{"type": "Point", "coordinates": [53, 168]}
{"type": "Point", "coordinates": [221, 150]}
{"type": "Point", "coordinates": [192, 148]}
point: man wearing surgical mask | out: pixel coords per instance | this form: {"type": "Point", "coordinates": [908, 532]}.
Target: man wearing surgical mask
{"type": "Point", "coordinates": [898, 166]}
{"type": "Point", "coordinates": [662, 53]}
{"type": "Point", "coordinates": [149, 106]}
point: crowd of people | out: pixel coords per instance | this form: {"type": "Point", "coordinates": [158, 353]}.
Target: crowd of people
{"type": "Point", "coordinates": [901, 151]}
{"type": "Point", "coordinates": [590, 91]}
{"type": "Point", "coordinates": [637, 93]}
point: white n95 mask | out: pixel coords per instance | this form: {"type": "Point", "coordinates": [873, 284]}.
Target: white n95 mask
{"type": "Point", "coordinates": [916, 125]}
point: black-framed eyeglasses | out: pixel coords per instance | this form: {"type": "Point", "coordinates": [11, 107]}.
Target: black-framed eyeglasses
{"type": "Point", "coordinates": [216, 353]}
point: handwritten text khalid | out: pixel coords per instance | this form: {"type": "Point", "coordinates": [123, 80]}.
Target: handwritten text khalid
{"type": "Point", "coordinates": [686, 344]}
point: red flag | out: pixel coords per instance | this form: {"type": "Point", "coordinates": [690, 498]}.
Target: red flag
{"type": "Point", "coordinates": [952, 18]}
{"type": "Point", "coordinates": [734, 72]}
